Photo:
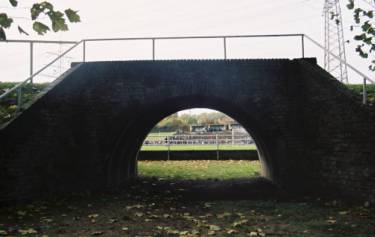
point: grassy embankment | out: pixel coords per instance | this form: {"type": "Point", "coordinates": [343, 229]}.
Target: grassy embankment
{"type": "Point", "coordinates": [358, 89]}
{"type": "Point", "coordinates": [8, 106]}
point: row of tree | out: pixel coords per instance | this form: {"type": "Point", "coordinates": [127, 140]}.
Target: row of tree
{"type": "Point", "coordinates": [183, 122]}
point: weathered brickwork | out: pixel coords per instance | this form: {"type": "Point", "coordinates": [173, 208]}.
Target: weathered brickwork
{"type": "Point", "coordinates": [85, 131]}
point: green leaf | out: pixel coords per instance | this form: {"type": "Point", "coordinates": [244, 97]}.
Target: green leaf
{"type": "Point", "coordinates": [360, 37]}
{"type": "Point", "coordinates": [58, 24]}
{"type": "Point", "coordinates": [47, 6]}
{"type": "Point", "coordinates": [357, 17]}
{"type": "Point", "coordinates": [40, 28]}
{"type": "Point", "coordinates": [14, 3]}
{"type": "Point", "coordinates": [35, 11]}
{"type": "Point", "coordinates": [368, 40]}
{"type": "Point", "coordinates": [72, 15]}
{"type": "Point", "coordinates": [366, 26]}
{"type": "Point", "coordinates": [5, 21]}
{"type": "Point", "coordinates": [369, 14]}
{"type": "Point", "coordinates": [58, 21]}
{"type": "Point", "coordinates": [361, 52]}
{"type": "Point", "coordinates": [2, 34]}
{"type": "Point", "coordinates": [350, 6]}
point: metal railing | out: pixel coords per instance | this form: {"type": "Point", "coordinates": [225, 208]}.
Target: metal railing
{"type": "Point", "coordinates": [201, 142]}
{"type": "Point", "coordinates": [18, 87]}
{"type": "Point", "coordinates": [154, 40]}
{"type": "Point", "coordinates": [197, 140]}
{"type": "Point", "coordinates": [364, 76]}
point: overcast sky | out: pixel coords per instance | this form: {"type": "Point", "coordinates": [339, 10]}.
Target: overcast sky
{"type": "Point", "coordinates": [152, 18]}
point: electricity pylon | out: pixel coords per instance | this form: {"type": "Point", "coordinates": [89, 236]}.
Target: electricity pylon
{"type": "Point", "coordinates": [335, 41]}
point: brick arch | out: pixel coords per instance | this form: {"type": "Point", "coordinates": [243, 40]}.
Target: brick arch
{"type": "Point", "coordinates": [122, 162]}
{"type": "Point", "coordinates": [313, 132]}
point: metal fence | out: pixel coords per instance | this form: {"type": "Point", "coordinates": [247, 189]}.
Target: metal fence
{"type": "Point", "coordinates": [80, 48]}
{"type": "Point", "coordinates": [198, 140]}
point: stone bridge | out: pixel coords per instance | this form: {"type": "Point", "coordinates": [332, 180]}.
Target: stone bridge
{"type": "Point", "coordinates": [84, 131]}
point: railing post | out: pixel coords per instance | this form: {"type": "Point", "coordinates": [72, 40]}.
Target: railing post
{"type": "Point", "coordinates": [217, 148]}
{"type": "Point", "coordinates": [19, 98]}
{"type": "Point", "coordinates": [232, 136]}
{"type": "Point", "coordinates": [303, 45]}
{"type": "Point", "coordinates": [153, 49]}
{"type": "Point", "coordinates": [84, 51]}
{"type": "Point", "coordinates": [31, 61]}
{"type": "Point", "coordinates": [364, 94]}
{"type": "Point", "coordinates": [225, 47]}
{"type": "Point", "coordinates": [169, 148]}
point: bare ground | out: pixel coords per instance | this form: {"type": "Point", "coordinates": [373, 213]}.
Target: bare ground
{"type": "Point", "coordinates": [154, 207]}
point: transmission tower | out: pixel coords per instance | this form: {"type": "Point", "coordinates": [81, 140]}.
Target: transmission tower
{"type": "Point", "coordinates": [335, 41]}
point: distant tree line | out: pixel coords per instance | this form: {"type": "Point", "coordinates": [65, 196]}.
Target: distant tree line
{"type": "Point", "coordinates": [183, 122]}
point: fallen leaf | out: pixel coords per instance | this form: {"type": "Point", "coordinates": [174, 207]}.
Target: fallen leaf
{"type": "Point", "coordinates": [211, 232]}
{"type": "Point", "coordinates": [21, 213]}
{"type": "Point", "coordinates": [214, 227]}
{"type": "Point", "coordinates": [223, 215]}
{"type": "Point", "coordinates": [97, 233]}
{"type": "Point", "coordinates": [139, 214]}
{"type": "Point", "coordinates": [231, 231]}
{"type": "Point", "coordinates": [331, 222]}
{"type": "Point", "coordinates": [93, 216]}
{"type": "Point", "coordinates": [29, 231]}
{"type": "Point", "coordinates": [239, 223]}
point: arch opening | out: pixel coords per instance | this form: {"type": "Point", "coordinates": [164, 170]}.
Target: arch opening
{"type": "Point", "coordinates": [196, 144]}
{"type": "Point", "coordinates": [122, 162]}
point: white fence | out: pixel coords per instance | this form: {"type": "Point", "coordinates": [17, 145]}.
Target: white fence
{"type": "Point", "coordinates": [198, 140]}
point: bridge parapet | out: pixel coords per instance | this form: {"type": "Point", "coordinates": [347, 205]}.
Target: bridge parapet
{"type": "Point", "coordinates": [81, 48]}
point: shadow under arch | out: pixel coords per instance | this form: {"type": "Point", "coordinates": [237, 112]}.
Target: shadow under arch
{"type": "Point", "coordinates": [122, 163]}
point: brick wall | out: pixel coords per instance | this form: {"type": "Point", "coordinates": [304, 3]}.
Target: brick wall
{"type": "Point", "coordinates": [85, 131]}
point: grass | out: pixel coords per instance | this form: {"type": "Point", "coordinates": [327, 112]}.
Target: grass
{"type": "Point", "coordinates": [8, 106]}
{"type": "Point", "coordinates": [198, 147]}
{"type": "Point", "coordinates": [358, 89]}
{"type": "Point", "coordinates": [195, 170]}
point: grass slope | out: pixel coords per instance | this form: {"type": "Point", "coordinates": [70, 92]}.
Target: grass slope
{"type": "Point", "coordinates": [8, 106]}
{"type": "Point", "coordinates": [358, 89]}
